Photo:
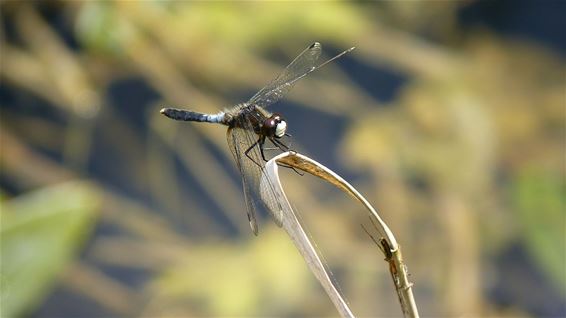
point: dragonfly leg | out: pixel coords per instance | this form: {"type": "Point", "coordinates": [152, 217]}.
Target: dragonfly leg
{"type": "Point", "coordinates": [261, 142]}
{"type": "Point", "coordinates": [279, 144]}
{"type": "Point", "coordinates": [284, 147]}
{"type": "Point", "coordinates": [270, 148]}
{"type": "Point", "coordinates": [251, 147]}
{"type": "Point", "coordinates": [284, 165]}
{"type": "Point", "coordinates": [290, 140]}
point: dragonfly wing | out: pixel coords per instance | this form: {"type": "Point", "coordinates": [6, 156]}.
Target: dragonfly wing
{"type": "Point", "coordinates": [241, 138]}
{"type": "Point", "coordinates": [237, 148]}
{"type": "Point", "coordinates": [282, 84]}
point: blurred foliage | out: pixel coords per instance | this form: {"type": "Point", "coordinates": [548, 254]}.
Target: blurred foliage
{"type": "Point", "coordinates": [543, 191]}
{"type": "Point", "coordinates": [102, 26]}
{"type": "Point", "coordinates": [272, 265]}
{"type": "Point", "coordinates": [456, 133]}
{"type": "Point", "coordinates": [41, 233]}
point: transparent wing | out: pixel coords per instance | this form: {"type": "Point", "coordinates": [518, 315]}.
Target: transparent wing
{"type": "Point", "coordinates": [237, 148]}
{"type": "Point", "coordinates": [251, 166]}
{"type": "Point", "coordinates": [282, 84]}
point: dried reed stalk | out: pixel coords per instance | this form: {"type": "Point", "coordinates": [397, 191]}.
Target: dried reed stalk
{"type": "Point", "coordinates": [387, 243]}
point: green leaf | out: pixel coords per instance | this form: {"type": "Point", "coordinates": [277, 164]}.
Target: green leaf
{"type": "Point", "coordinates": [40, 233]}
{"type": "Point", "coordinates": [539, 198]}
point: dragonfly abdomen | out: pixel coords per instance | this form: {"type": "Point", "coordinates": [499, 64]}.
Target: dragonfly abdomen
{"type": "Point", "coordinates": [187, 115]}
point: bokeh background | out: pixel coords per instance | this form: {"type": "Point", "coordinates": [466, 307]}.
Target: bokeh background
{"type": "Point", "coordinates": [449, 116]}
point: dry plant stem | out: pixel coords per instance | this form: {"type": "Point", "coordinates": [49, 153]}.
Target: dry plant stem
{"type": "Point", "coordinates": [387, 241]}
{"type": "Point", "coordinates": [294, 229]}
{"type": "Point", "coordinates": [400, 277]}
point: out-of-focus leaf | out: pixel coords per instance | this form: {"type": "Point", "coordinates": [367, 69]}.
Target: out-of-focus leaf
{"type": "Point", "coordinates": [99, 28]}
{"type": "Point", "coordinates": [108, 27]}
{"type": "Point", "coordinates": [224, 21]}
{"type": "Point", "coordinates": [40, 233]}
{"type": "Point", "coordinates": [539, 199]}
{"type": "Point", "coordinates": [232, 279]}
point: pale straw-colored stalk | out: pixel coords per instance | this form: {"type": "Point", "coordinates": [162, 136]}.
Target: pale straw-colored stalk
{"type": "Point", "coordinates": [386, 241]}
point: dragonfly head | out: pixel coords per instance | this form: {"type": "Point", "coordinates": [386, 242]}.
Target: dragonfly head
{"type": "Point", "coordinates": [274, 126]}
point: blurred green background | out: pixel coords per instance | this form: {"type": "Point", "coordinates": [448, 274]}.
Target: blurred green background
{"type": "Point", "coordinates": [449, 117]}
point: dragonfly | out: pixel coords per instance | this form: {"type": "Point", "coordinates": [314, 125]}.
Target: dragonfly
{"type": "Point", "coordinates": [250, 125]}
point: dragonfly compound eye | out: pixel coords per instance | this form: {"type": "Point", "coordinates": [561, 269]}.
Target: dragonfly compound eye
{"type": "Point", "coordinates": [275, 126]}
